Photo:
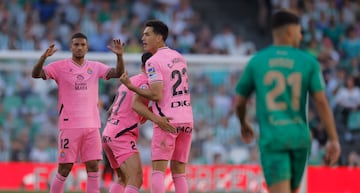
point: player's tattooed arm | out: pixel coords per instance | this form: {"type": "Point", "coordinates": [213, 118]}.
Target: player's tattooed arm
{"type": "Point", "coordinates": [118, 49]}
{"type": "Point", "coordinates": [37, 71]}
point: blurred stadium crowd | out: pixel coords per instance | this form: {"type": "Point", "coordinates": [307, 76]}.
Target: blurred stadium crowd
{"type": "Point", "coordinates": [28, 114]}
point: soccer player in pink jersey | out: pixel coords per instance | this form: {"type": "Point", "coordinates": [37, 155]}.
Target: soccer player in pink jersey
{"type": "Point", "coordinates": [79, 120]}
{"type": "Point", "coordinates": [121, 133]}
{"type": "Point", "coordinates": [169, 90]}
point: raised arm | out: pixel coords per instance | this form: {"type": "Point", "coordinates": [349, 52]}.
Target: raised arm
{"type": "Point", "coordinates": [154, 93]}
{"type": "Point", "coordinates": [326, 116]}
{"type": "Point", "coordinates": [37, 71]}
{"type": "Point", "coordinates": [118, 50]}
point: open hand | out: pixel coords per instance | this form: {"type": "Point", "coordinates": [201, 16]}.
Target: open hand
{"type": "Point", "coordinates": [247, 133]}
{"type": "Point", "coordinates": [118, 47]}
{"type": "Point", "coordinates": [332, 152]}
{"type": "Point", "coordinates": [50, 50]}
{"type": "Point", "coordinates": [164, 124]}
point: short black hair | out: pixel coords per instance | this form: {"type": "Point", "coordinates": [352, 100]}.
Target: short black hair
{"type": "Point", "coordinates": [78, 35]}
{"type": "Point", "coordinates": [145, 57]}
{"type": "Point", "coordinates": [159, 27]}
{"type": "Point", "coordinates": [282, 18]}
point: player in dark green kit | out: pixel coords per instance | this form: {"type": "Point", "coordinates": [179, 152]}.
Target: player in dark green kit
{"type": "Point", "coordinates": [282, 76]}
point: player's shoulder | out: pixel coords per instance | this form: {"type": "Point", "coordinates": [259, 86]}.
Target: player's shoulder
{"type": "Point", "coordinates": [154, 60]}
{"type": "Point", "coordinates": [288, 51]}
{"type": "Point", "coordinates": [60, 62]}
{"type": "Point", "coordinates": [177, 54]}
{"type": "Point", "coordinates": [139, 76]}
{"type": "Point", "coordinates": [304, 55]}
{"type": "Point", "coordinates": [166, 53]}
{"type": "Point", "coordinates": [305, 59]}
{"type": "Point", "coordinates": [261, 54]}
{"type": "Point", "coordinates": [139, 79]}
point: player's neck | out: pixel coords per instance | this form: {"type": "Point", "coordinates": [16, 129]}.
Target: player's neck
{"type": "Point", "coordinates": [78, 61]}
{"type": "Point", "coordinates": [161, 46]}
{"type": "Point", "coordinates": [282, 42]}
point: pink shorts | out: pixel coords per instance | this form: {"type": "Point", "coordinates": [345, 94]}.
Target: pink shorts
{"type": "Point", "coordinates": [119, 146]}
{"type": "Point", "coordinates": [172, 146]}
{"type": "Point", "coordinates": [84, 142]}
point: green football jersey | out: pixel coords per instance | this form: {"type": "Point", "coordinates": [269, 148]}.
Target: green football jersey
{"type": "Point", "coordinates": [282, 77]}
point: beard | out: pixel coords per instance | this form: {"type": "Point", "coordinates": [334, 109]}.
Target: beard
{"type": "Point", "coordinates": [79, 56]}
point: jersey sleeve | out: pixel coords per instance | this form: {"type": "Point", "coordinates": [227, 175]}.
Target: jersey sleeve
{"type": "Point", "coordinates": [245, 85]}
{"type": "Point", "coordinates": [51, 71]}
{"type": "Point", "coordinates": [153, 71]}
{"type": "Point", "coordinates": [316, 79]}
{"type": "Point", "coordinates": [144, 86]}
{"type": "Point", "coordinates": [142, 83]}
{"type": "Point", "coordinates": [103, 70]}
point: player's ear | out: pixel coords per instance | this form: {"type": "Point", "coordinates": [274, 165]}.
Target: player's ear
{"type": "Point", "coordinates": [289, 30]}
{"type": "Point", "coordinates": [87, 46]}
{"type": "Point", "coordinates": [159, 38]}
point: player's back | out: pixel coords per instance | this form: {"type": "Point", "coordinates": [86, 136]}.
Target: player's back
{"type": "Point", "coordinates": [287, 74]}
{"type": "Point", "coordinates": [170, 67]}
{"type": "Point", "coordinates": [121, 108]}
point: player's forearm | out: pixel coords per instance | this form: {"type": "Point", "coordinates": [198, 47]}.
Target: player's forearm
{"type": "Point", "coordinates": [143, 110]}
{"type": "Point", "coordinates": [327, 118]}
{"type": "Point", "coordinates": [147, 93]}
{"type": "Point", "coordinates": [119, 69]}
{"type": "Point", "coordinates": [240, 109]}
{"type": "Point", "coordinates": [37, 69]}
{"type": "Point", "coordinates": [119, 65]}
{"type": "Point", "coordinates": [241, 113]}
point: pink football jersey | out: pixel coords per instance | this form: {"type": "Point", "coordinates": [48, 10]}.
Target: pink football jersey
{"type": "Point", "coordinates": [78, 91]}
{"type": "Point", "coordinates": [121, 108]}
{"type": "Point", "coordinates": [169, 67]}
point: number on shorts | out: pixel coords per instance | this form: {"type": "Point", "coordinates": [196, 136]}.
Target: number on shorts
{"type": "Point", "coordinates": [133, 145]}
{"type": "Point", "coordinates": [64, 143]}
{"type": "Point", "coordinates": [293, 80]}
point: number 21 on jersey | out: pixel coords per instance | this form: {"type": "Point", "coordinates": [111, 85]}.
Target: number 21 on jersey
{"type": "Point", "coordinates": [281, 82]}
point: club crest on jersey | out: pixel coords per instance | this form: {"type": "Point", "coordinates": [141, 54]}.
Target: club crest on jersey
{"type": "Point", "coordinates": [89, 71]}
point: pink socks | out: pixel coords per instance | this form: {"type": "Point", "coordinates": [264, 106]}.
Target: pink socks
{"type": "Point", "coordinates": [57, 185]}
{"type": "Point", "coordinates": [157, 182]}
{"type": "Point", "coordinates": [181, 185]}
{"type": "Point", "coordinates": [93, 182]}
